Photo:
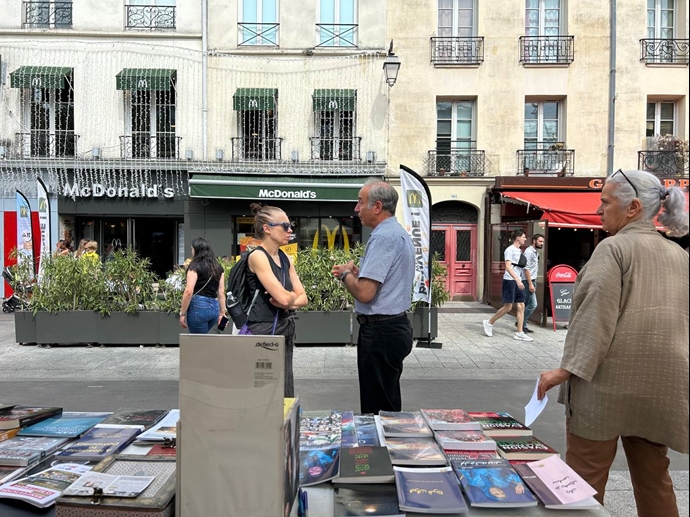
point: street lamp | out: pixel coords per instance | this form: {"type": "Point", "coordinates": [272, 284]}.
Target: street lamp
{"type": "Point", "coordinates": [391, 66]}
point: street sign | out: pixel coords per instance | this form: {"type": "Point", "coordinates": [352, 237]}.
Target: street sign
{"type": "Point", "coordinates": [561, 280]}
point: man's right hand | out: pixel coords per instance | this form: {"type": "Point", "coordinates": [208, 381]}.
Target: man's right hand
{"type": "Point", "coordinates": [520, 285]}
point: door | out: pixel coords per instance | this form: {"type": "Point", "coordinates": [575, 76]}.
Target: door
{"type": "Point", "coordinates": [456, 245]}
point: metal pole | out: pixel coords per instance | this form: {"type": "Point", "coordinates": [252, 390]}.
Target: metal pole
{"type": "Point", "coordinates": [612, 91]}
{"type": "Point", "coordinates": [204, 79]}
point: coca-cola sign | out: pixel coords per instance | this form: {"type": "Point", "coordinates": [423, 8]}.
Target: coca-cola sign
{"type": "Point", "coordinates": [562, 273]}
{"type": "Point", "coordinates": [562, 290]}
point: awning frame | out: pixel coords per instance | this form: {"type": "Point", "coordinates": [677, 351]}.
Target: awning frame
{"type": "Point", "coordinates": [254, 99]}
{"type": "Point", "coordinates": [51, 77]}
{"type": "Point", "coordinates": [145, 79]}
{"type": "Point", "coordinates": [334, 100]}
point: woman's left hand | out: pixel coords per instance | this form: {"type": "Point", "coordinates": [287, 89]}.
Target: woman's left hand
{"type": "Point", "coordinates": [183, 322]}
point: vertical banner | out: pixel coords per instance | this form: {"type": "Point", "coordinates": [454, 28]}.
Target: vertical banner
{"type": "Point", "coordinates": [25, 245]}
{"type": "Point", "coordinates": [417, 212]}
{"type": "Point", "coordinates": [43, 223]}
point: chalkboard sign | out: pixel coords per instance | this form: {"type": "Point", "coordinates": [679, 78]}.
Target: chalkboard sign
{"type": "Point", "coordinates": [562, 288]}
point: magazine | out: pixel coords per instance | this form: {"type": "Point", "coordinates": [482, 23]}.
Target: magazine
{"type": "Point", "coordinates": [43, 488]}
{"type": "Point", "coordinates": [116, 486]}
{"type": "Point", "coordinates": [165, 428]}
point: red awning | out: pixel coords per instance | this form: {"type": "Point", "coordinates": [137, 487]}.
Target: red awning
{"type": "Point", "coordinates": [562, 209]}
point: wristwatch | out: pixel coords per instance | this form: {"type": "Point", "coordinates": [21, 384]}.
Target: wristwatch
{"type": "Point", "coordinates": [183, 314]}
{"type": "Point", "coordinates": [343, 275]}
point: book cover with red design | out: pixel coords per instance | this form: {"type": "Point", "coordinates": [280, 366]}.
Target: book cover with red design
{"type": "Point", "coordinates": [523, 448]}
{"type": "Point", "coordinates": [449, 419]}
{"type": "Point", "coordinates": [500, 424]}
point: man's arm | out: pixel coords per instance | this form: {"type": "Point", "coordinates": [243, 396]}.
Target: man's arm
{"type": "Point", "coordinates": [511, 272]}
{"type": "Point", "coordinates": [362, 289]}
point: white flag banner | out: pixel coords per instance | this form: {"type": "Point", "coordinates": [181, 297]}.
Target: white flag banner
{"type": "Point", "coordinates": [417, 213]}
{"type": "Point", "coordinates": [25, 241]}
{"type": "Point", "coordinates": [43, 223]}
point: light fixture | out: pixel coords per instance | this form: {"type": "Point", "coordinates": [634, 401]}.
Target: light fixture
{"type": "Point", "coordinates": [294, 156]}
{"type": "Point", "coordinates": [96, 153]}
{"type": "Point", "coordinates": [371, 156]}
{"type": "Point", "coordinates": [219, 154]}
{"type": "Point", "coordinates": [189, 154]}
{"type": "Point", "coordinates": [391, 66]}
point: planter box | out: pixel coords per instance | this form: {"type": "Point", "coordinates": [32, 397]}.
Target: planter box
{"type": "Point", "coordinates": [67, 327]}
{"type": "Point", "coordinates": [140, 328]}
{"type": "Point", "coordinates": [169, 328]}
{"type": "Point", "coordinates": [24, 327]}
{"type": "Point", "coordinates": [314, 327]}
{"type": "Point", "coordinates": [419, 320]}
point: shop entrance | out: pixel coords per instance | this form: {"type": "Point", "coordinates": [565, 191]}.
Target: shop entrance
{"type": "Point", "coordinates": [155, 238]}
{"type": "Point", "coordinates": [456, 246]}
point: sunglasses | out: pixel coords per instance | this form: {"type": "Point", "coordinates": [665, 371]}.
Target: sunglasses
{"type": "Point", "coordinates": [626, 179]}
{"type": "Point", "coordinates": [286, 226]}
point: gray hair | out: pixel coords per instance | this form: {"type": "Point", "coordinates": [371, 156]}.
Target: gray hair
{"type": "Point", "coordinates": [653, 196]}
{"type": "Point", "coordinates": [379, 190]}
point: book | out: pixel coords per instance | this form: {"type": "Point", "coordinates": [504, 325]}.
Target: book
{"type": "Point", "coordinates": [365, 428]}
{"type": "Point", "coordinates": [500, 424]}
{"type": "Point", "coordinates": [380, 500]}
{"type": "Point", "coordinates": [449, 419]}
{"type": "Point", "coordinates": [160, 449]}
{"type": "Point", "coordinates": [165, 428]}
{"type": "Point", "coordinates": [465, 440]}
{"type": "Point", "coordinates": [8, 473]}
{"type": "Point", "coordinates": [492, 484]}
{"type": "Point", "coordinates": [429, 490]}
{"type": "Point", "coordinates": [43, 488]}
{"type": "Point", "coordinates": [98, 443]}
{"type": "Point", "coordinates": [557, 485]}
{"type": "Point", "coordinates": [319, 430]}
{"type": "Point", "coordinates": [365, 465]}
{"type": "Point", "coordinates": [523, 448]}
{"type": "Point", "coordinates": [25, 450]}
{"type": "Point", "coordinates": [3, 407]}
{"type": "Point", "coordinates": [415, 451]}
{"type": "Point", "coordinates": [68, 424]}
{"type": "Point", "coordinates": [348, 432]}
{"type": "Point", "coordinates": [404, 424]}
{"type": "Point", "coordinates": [10, 433]}
{"type": "Point", "coordinates": [146, 418]}
{"type": "Point", "coordinates": [318, 466]}
{"type": "Point", "coordinates": [115, 486]}
{"type": "Point", "coordinates": [22, 416]}
{"type": "Point", "coordinates": [455, 454]}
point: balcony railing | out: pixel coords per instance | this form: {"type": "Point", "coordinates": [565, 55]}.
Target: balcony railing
{"type": "Point", "coordinates": [150, 17]}
{"type": "Point", "coordinates": [664, 164]}
{"type": "Point", "coordinates": [46, 144]}
{"type": "Point", "coordinates": [258, 34]}
{"type": "Point", "coordinates": [445, 161]}
{"type": "Point", "coordinates": [339, 149]}
{"type": "Point", "coordinates": [664, 51]}
{"type": "Point", "coordinates": [456, 50]}
{"type": "Point", "coordinates": [163, 146]}
{"type": "Point", "coordinates": [337, 34]}
{"type": "Point", "coordinates": [546, 159]}
{"type": "Point", "coordinates": [48, 15]}
{"type": "Point", "coordinates": [256, 149]}
{"type": "Point", "coordinates": [547, 50]}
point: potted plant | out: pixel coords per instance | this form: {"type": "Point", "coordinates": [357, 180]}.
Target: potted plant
{"type": "Point", "coordinates": [439, 295]}
{"type": "Point", "coordinates": [21, 280]}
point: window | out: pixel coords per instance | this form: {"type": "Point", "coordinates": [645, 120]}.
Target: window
{"type": "Point", "coordinates": [337, 25]}
{"type": "Point", "coordinates": [258, 133]}
{"type": "Point", "coordinates": [660, 19]}
{"type": "Point", "coordinates": [335, 133]}
{"type": "Point", "coordinates": [50, 113]}
{"type": "Point", "coordinates": [258, 22]}
{"type": "Point", "coordinates": [455, 138]}
{"type": "Point", "coordinates": [544, 151]}
{"type": "Point", "coordinates": [328, 232]}
{"type": "Point", "coordinates": [661, 119]}
{"type": "Point", "coordinates": [48, 14]}
{"type": "Point", "coordinates": [456, 18]}
{"type": "Point", "coordinates": [150, 14]}
{"type": "Point", "coordinates": [542, 124]}
{"type": "Point", "coordinates": [542, 18]}
{"type": "Point", "coordinates": [151, 124]}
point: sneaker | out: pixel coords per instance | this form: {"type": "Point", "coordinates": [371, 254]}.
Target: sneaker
{"type": "Point", "coordinates": [488, 328]}
{"type": "Point", "coordinates": [521, 336]}
{"type": "Point", "coordinates": [526, 330]}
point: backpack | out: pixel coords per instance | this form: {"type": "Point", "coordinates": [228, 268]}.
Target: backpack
{"type": "Point", "coordinates": [237, 278]}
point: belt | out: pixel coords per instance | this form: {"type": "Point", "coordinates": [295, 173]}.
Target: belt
{"type": "Point", "coordinates": [375, 318]}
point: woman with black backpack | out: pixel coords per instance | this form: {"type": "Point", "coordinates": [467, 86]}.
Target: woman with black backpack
{"type": "Point", "coordinates": [203, 301]}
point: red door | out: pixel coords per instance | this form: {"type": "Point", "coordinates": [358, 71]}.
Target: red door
{"type": "Point", "coordinates": [456, 245]}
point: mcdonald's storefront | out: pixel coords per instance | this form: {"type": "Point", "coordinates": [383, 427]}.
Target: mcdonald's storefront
{"type": "Point", "coordinates": [322, 209]}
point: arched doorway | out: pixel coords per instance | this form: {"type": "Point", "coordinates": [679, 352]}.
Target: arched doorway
{"type": "Point", "coordinates": [454, 238]}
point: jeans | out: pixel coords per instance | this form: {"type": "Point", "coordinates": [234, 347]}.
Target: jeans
{"type": "Point", "coordinates": [531, 303]}
{"type": "Point", "coordinates": [381, 349]}
{"type": "Point", "coordinates": [202, 314]}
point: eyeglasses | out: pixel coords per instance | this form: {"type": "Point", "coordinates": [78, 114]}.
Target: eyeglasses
{"type": "Point", "coordinates": [286, 226]}
{"type": "Point", "coordinates": [626, 179]}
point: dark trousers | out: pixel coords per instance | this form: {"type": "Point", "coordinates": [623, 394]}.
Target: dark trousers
{"type": "Point", "coordinates": [647, 462]}
{"type": "Point", "coordinates": [381, 349]}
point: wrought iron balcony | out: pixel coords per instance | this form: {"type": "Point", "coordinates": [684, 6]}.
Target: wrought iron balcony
{"type": "Point", "coordinates": [256, 149]}
{"type": "Point", "coordinates": [664, 51]}
{"type": "Point", "coordinates": [163, 146]}
{"type": "Point", "coordinates": [258, 34]}
{"type": "Point", "coordinates": [456, 50]}
{"type": "Point", "coordinates": [48, 15]}
{"type": "Point", "coordinates": [546, 159]}
{"type": "Point", "coordinates": [150, 17]}
{"type": "Point", "coordinates": [547, 50]}
{"type": "Point", "coordinates": [339, 149]}
{"type": "Point", "coordinates": [455, 162]}
{"type": "Point", "coordinates": [337, 34]}
{"type": "Point", "coordinates": [664, 164]}
{"type": "Point", "coordinates": [46, 144]}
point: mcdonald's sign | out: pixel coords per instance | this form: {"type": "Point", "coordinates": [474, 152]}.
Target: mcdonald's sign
{"type": "Point", "coordinates": [415, 199]}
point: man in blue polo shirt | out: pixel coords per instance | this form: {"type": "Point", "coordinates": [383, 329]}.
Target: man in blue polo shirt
{"type": "Point", "coordinates": [382, 289]}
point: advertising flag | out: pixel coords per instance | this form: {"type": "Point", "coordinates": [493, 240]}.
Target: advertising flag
{"type": "Point", "coordinates": [25, 245]}
{"type": "Point", "coordinates": [44, 223]}
{"type": "Point", "coordinates": [417, 213]}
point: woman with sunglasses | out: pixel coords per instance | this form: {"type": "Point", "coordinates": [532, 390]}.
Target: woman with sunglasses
{"type": "Point", "coordinates": [272, 273]}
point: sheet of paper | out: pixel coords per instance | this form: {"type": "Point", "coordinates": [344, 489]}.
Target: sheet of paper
{"type": "Point", "coordinates": [535, 406]}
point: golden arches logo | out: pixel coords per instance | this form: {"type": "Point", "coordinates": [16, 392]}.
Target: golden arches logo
{"type": "Point", "coordinates": [42, 204]}
{"type": "Point", "coordinates": [415, 199]}
{"type": "Point", "coordinates": [23, 212]}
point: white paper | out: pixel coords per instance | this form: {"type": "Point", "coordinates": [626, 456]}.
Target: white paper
{"type": "Point", "coordinates": [535, 406]}
{"type": "Point", "coordinates": [119, 486]}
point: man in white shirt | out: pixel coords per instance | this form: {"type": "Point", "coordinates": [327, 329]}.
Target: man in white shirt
{"type": "Point", "coordinates": [513, 287]}
{"type": "Point", "coordinates": [531, 272]}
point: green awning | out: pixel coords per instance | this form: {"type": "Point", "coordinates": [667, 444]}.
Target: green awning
{"type": "Point", "coordinates": [274, 188]}
{"type": "Point", "coordinates": [147, 79]}
{"type": "Point", "coordinates": [39, 77]}
{"type": "Point", "coordinates": [332, 100]}
{"type": "Point", "coordinates": [254, 99]}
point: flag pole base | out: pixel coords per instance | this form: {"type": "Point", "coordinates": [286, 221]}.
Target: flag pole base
{"type": "Point", "coordinates": [425, 343]}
